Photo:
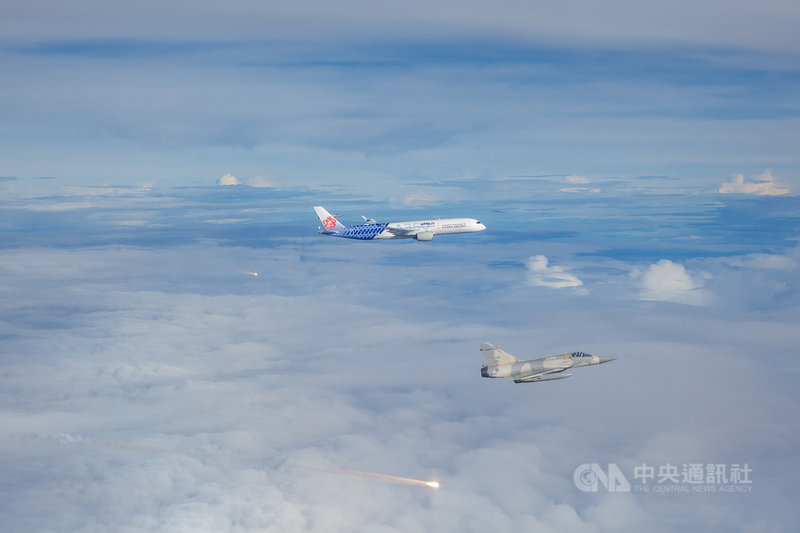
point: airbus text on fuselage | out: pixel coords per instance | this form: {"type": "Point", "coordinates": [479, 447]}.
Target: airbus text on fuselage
{"type": "Point", "coordinates": [421, 230]}
{"type": "Point", "coordinates": [504, 365]}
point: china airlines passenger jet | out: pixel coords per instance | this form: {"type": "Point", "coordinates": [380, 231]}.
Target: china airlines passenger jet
{"type": "Point", "coordinates": [422, 230]}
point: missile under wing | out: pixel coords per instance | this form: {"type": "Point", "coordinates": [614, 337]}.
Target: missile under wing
{"type": "Point", "coordinates": [500, 364]}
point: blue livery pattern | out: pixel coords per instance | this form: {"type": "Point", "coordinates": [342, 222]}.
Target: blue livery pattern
{"type": "Point", "coordinates": [364, 232]}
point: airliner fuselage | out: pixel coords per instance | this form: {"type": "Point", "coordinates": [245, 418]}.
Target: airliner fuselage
{"type": "Point", "coordinates": [421, 230]}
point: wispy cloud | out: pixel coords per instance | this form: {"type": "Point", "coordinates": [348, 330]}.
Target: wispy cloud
{"type": "Point", "coordinates": [431, 196]}
{"type": "Point", "coordinates": [540, 274]}
{"type": "Point", "coordinates": [256, 181]}
{"type": "Point", "coordinates": [764, 261]}
{"type": "Point", "coordinates": [762, 185]}
{"type": "Point", "coordinates": [579, 189]}
{"type": "Point", "coordinates": [260, 181]}
{"type": "Point", "coordinates": [576, 179]}
{"type": "Point", "coordinates": [617, 23]}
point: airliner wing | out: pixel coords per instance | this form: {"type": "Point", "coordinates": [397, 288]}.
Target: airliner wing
{"type": "Point", "coordinates": [401, 231]}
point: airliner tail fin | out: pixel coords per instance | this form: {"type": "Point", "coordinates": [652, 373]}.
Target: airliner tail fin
{"type": "Point", "coordinates": [329, 222]}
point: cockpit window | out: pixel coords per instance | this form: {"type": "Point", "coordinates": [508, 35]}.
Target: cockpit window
{"type": "Point", "coordinates": [580, 354]}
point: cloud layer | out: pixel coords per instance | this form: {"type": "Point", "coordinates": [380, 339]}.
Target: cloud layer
{"type": "Point", "coordinates": [617, 23]}
{"type": "Point", "coordinates": [170, 391]}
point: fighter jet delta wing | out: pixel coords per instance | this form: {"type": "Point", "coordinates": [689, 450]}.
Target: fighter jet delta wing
{"type": "Point", "coordinates": [543, 377]}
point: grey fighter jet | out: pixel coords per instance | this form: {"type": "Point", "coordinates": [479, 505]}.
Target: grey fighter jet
{"type": "Point", "coordinates": [504, 365]}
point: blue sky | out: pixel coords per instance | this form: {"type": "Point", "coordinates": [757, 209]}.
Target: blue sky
{"type": "Point", "coordinates": [377, 114]}
{"type": "Point", "coordinates": [638, 174]}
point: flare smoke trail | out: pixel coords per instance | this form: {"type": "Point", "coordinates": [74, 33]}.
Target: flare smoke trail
{"type": "Point", "coordinates": [66, 439]}
{"type": "Point", "coordinates": [375, 475]}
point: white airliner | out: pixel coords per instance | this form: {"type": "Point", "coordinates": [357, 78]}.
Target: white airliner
{"type": "Point", "coordinates": [422, 230]}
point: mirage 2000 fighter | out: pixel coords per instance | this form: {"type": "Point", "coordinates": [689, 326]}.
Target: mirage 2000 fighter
{"type": "Point", "coordinates": [504, 365]}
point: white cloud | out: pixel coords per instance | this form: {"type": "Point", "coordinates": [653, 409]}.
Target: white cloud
{"type": "Point", "coordinates": [229, 179]}
{"type": "Point", "coordinates": [226, 220]}
{"type": "Point", "coordinates": [420, 198]}
{"type": "Point", "coordinates": [579, 189]}
{"type": "Point", "coordinates": [429, 196]}
{"type": "Point", "coordinates": [55, 207]}
{"type": "Point", "coordinates": [670, 282]}
{"type": "Point", "coordinates": [260, 181]}
{"type": "Point", "coordinates": [541, 275]}
{"type": "Point", "coordinates": [762, 185]}
{"type": "Point", "coordinates": [576, 179]}
{"type": "Point", "coordinates": [756, 281]}
{"type": "Point", "coordinates": [764, 261]}
{"type": "Point", "coordinates": [257, 181]}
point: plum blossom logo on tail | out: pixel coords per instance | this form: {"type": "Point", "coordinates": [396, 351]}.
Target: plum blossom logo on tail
{"type": "Point", "coordinates": [329, 222]}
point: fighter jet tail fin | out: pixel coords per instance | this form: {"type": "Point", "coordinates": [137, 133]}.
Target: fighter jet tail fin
{"type": "Point", "coordinates": [329, 222]}
{"type": "Point", "coordinates": [495, 355]}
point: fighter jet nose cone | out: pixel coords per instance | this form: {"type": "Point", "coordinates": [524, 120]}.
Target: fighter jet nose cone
{"type": "Point", "coordinates": [607, 359]}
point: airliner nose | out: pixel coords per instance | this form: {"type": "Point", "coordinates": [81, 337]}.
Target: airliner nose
{"type": "Point", "coordinates": [480, 226]}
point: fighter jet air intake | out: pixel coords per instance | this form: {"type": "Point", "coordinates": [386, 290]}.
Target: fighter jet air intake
{"type": "Point", "coordinates": [421, 230]}
{"type": "Point", "coordinates": [504, 365]}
